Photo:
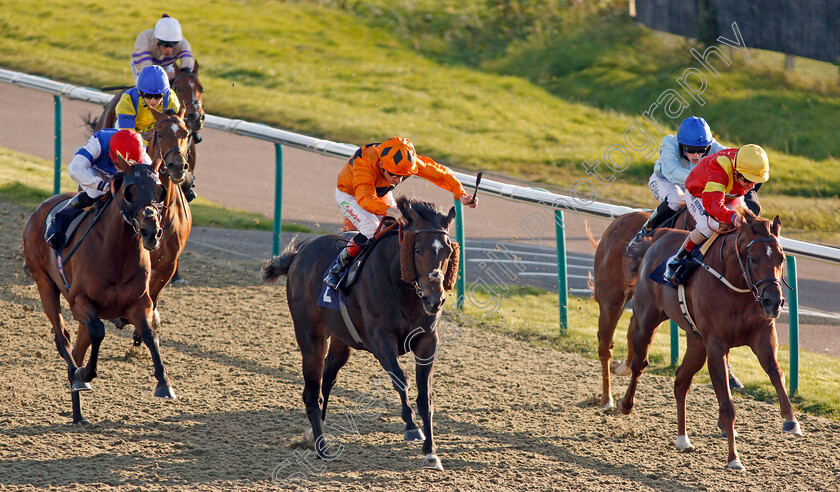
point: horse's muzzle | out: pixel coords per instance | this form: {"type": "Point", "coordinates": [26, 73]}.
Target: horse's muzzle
{"type": "Point", "coordinates": [177, 170]}
{"type": "Point", "coordinates": [433, 303]}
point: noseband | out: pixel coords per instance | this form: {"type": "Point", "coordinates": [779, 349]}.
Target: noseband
{"type": "Point", "coordinates": [435, 275]}
{"type": "Point", "coordinates": [129, 214]}
{"type": "Point", "coordinates": [748, 276]}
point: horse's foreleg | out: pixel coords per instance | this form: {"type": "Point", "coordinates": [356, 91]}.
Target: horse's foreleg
{"type": "Point", "coordinates": [610, 313]}
{"type": "Point", "coordinates": [387, 355]}
{"type": "Point", "coordinates": [90, 333]}
{"type": "Point", "coordinates": [646, 326]}
{"type": "Point", "coordinates": [424, 355]}
{"type": "Point", "coordinates": [765, 350]}
{"type": "Point", "coordinates": [140, 316]}
{"type": "Point", "coordinates": [695, 357]}
{"type": "Point", "coordinates": [720, 382]}
{"type": "Point", "coordinates": [337, 356]}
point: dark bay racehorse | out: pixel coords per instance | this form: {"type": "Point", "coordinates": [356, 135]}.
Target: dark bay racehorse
{"type": "Point", "coordinates": [395, 305]}
{"type": "Point", "coordinates": [738, 309]}
{"type": "Point", "coordinates": [107, 276]}
{"type": "Point", "coordinates": [191, 94]}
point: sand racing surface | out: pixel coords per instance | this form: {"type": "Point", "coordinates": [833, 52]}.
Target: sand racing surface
{"type": "Point", "coordinates": [509, 416]}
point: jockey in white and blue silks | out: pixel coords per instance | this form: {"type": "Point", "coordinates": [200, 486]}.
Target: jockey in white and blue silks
{"type": "Point", "coordinates": [678, 155]}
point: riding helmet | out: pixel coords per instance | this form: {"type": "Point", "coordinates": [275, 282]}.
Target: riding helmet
{"type": "Point", "coordinates": [752, 162]}
{"type": "Point", "coordinates": [398, 157]}
{"type": "Point", "coordinates": [128, 144]}
{"type": "Point", "coordinates": [694, 132]}
{"type": "Point", "coordinates": [153, 80]}
{"type": "Point", "coordinates": [168, 30]}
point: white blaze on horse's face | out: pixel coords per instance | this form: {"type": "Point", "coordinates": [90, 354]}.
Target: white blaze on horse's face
{"type": "Point", "coordinates": [174, 127]}
{"type": "Point", "coordinates": [769, 251]}
{"type": "Point", "coordinates": [438, 246]}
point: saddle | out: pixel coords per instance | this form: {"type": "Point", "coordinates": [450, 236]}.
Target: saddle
{"type": "Point", "coordinates": [67, 223]}
{"type": "Point", "coordinates": [687, 266]}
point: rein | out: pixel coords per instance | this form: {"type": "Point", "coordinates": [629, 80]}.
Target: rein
{"type": "Point", "coordinates": [175, 148]}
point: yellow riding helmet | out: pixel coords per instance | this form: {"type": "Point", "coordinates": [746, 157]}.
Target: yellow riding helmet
{"type": "Point", "coordinates": [398, 156]}
{"type": "Point", "coordinates": [751, 161]}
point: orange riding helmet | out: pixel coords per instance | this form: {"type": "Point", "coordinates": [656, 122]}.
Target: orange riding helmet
{"type": "Point", "coordinates": [398, 156]}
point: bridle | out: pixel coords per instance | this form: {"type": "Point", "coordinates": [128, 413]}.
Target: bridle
{"type": "Point", "coordinates": [176, 147]}
{"type": "Point", "coordinates": [436, 275]}
{"type": "Point", "coordinates": [194, 103]}
{"type": "Point", "coordinates": [129, 214]}
{"type": "Point", "coordinates": [747, 271]}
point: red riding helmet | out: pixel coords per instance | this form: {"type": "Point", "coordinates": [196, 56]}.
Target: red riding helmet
{"type": "Point", "coordinates": [128, 144]}
{"type": "Point", "coordinates": [398, 157]}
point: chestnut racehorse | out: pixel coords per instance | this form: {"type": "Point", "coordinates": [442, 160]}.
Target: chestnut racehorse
{"type": "Point", "coordinates": [735, 302]}
{"type": "Point", "coordinates": [106, 277]}
{"type": "Point", "coordinates": [394, 305]}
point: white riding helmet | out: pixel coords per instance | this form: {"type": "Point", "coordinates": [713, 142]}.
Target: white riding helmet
{"type": "Point", "coordinates": [168, 29]}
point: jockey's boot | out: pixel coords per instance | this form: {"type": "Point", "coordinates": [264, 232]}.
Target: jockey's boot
{"type": "Point", "coordinates": [344, 259]}
{"type": "Point", "coordinates": [694, 239]}
{"type": "Point", "coordinates": [660, 214]}
{"type": "Point", "coordinates": [73, 208]}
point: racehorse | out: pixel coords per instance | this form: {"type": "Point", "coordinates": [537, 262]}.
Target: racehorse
{"type": "Point", "coordinates": [735, 307]}
{"type": "Point", "coordinates": [106, 277]}
{"type": "Point", "coordinates": [612, 285]}
{"type": "Point", "coordinates": [394, 305]}
{"type": "Point", "coordinates": [191, 94]}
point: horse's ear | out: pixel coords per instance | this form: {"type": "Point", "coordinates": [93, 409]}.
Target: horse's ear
{"type": "Point", "coordinates": [121, 164]}
{"type": "Point", "coordinates": [447, 221]}
{"type": "Point", "coordinates": [158, 115]}
{"type": "Point", "coordinates": [776, 226]}
{"type": "Point", "coordinates": [195, 66]}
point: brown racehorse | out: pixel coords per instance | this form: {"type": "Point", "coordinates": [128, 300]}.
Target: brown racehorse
{"type": "Point", "coordinates": [738, 310]}
{"type": "Point", "coordinates": [106, 277]}
{"type": "Point", "coordinates": [612, 285]}
{"type": "Point", "coordinates": [395, 305]}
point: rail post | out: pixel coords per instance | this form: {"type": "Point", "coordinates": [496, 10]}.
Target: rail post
{"type": "Point", "coordinates": [460, 285]}
{"type": "Point", "coordinates": [57, 173]}
{"type": "Point", "coordinates": [793, 321]}
{"type": "Point", "coordinates": [278, 198]}
{"type": "Point", "coordinates": [562, 280]}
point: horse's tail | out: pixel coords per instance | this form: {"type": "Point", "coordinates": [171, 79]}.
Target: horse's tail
{"type": "Point", "coordinates": [26, 269]}
{"type": "Point", "coordinates": [278, 266]}
{"type": "Point", "coordinates": [635, 252]}
{"type": "Point", "coordinates": [594, 242]}
{"type": "Point", "coordinates": [90, 121]}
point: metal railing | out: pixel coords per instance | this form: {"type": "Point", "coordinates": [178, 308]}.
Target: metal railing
{"type": "Point", "coordinates": [539, 197]}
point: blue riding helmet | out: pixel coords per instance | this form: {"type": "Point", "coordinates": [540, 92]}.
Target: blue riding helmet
{"type": "Point", "coordinates": [153, 80]}
{"type": "Point", "coordinates": [694, 132]}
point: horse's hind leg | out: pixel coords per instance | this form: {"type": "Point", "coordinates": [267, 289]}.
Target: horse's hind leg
{"type": "Point", "coordinates": [312, 352]}
{"type": "Point", "coordinates": [611, 305]}
{"type": "Point", "coordinates": [337, 356]}
{"type": "Point", "coordinates": [695, 357]}
{"type": "Point", "coordinates": [647, 322]}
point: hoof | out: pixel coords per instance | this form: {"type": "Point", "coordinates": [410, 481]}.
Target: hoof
{"type": "Point", "coordinates": [81, 421]}
{"type": "Point", "coordinates": [414, 435]}
{"type": "Point", "coordinates": [432, 462]}
{"type": "Point", "coordinates": [78, 384]}
{"type": "Point", "coordinates": [735, 383]}
{"type": "Point", "coordinates": [736, 465]}
{"type": "Point", "coordinates": [622, 369]}
{"type": "Point", "coordinates": [621, 408]}
{"type": "Point", "coordinates": [165, 392]}
{"type": "Point", "coordinates": [684, 444]}
{"type": "Point", "coordinates": [308, 436]}
{"type": "Point", "coordinates": [609, 405]}
{"type": "Point", "coordinates": [792, 427]}
{"type": "Point", "coordinates": [177, 282]}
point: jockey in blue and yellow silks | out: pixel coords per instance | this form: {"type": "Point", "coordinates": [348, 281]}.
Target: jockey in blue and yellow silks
{"type": "Point", "coordinates": [152, 91]}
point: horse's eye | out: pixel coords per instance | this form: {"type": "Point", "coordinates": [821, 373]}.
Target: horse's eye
{"type": "Point", "coordinates": [130, 193]}
{"type": "Point", "coordinates": [160, 193]}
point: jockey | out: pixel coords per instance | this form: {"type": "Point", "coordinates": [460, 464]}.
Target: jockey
{"type": "Point", "coordinates": [163, 46]}
{"type": "Point", "coordinates": [92, 167]}
{"type": "Point", "coordinates": [715, 187]}
{"type": "Point", "coordinates": [678, 154]}
{"type": "Point", "coordinates": [152, 91]}
{"type": "Point", "coordinates": [364, 189]}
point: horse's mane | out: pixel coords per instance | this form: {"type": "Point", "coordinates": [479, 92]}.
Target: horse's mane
{"type": "Point", "coordinates": [427, 210]}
